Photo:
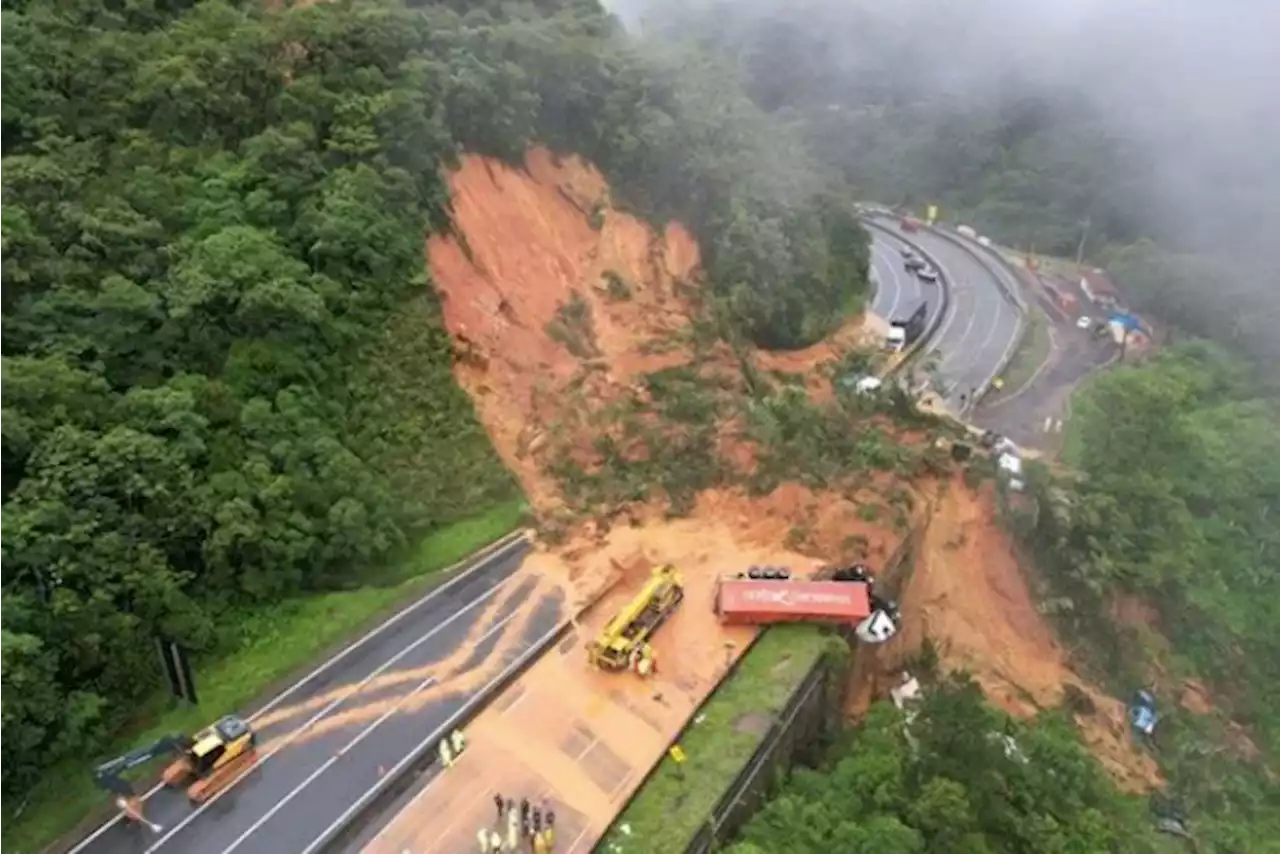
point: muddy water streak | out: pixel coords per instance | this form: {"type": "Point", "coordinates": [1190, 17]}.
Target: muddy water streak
{"type": "Point", "coordinates": [509, 590]}
{"type": "Point", "coordinates": [451, 675]}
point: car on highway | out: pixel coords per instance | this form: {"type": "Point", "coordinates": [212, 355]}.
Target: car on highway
{"type": "Point", "coordinates": [907, 251]}
{"type": "Point", "coordinates": [927, 274]}
{"type": "Point", "coordinates": [1084, 322]}
{"type": "Point", "coordinates": [914, 262]}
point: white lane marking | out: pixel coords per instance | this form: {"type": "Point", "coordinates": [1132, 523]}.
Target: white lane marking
{"type": "Point", "coordinates": [883, 249]}
{"type": "Point", "coordinates": [971, 355]}
{"type": "Point", "coordinates": [459, 813]}
{"type": "Point", "coordinates": [573, 846]}
{"type": "Point", "coordinates": [365, 733]}
{"type": "Point", "coordinates": [413, 752]}
{"type": "Point", "coordinates": [1026, 386]}
{"type": "Point", "coordinates": [483, 562]}
{"type": "Point", "coordinates": [953, 309]}
{"type": "Point", "coordinates": [314, 719]}
{"type": "Point", "coordinates": [1004, 356]}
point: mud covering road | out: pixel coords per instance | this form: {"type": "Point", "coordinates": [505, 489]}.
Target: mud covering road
{"type": "Point", "coordinates": [341, 729]}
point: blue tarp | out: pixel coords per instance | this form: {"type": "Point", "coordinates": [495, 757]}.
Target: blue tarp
{"type": "Point", "coordinates": [1128, 321]}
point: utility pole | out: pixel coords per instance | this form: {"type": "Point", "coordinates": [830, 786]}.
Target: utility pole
{"type": "Point", "coordinates": [1085, 225]}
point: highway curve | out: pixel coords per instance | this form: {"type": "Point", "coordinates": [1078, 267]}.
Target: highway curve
{"type": "Point", "coordinates": [981, 326]}
{"type": "Point", "coordinates": [898, 290]}
{"type": "Point", "coordinates": [329, 738]}
{"type": "Point", "coordinates": [980, 331]}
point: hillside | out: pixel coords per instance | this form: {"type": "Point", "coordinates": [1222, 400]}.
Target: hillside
{"type": "Point", "coordinates": [228, 390]}
{"type": "Point", "coordinates": [578, 333]}
{"type": "Point", "coordinates": [305, 301]}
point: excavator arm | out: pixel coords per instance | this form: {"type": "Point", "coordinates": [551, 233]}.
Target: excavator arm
{"type": "Point", "coordinates": [108, 774]}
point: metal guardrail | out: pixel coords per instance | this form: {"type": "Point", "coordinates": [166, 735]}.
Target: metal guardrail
{"type": "Point", "coordinates": [1011, 295]}
{"type": "Point", "coordinates": [423, 756]}
{"type": "Point", "coordinates": [706, 837]}
{"type": "Point", "coordinates": [985, 255]}
{"type": "Point", "coordinates": [684, 728]}
{"type": "Point", "coordinates": [944, 288]}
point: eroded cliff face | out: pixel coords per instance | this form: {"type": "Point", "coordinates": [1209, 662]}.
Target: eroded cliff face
{"type": "Point", "coordinates": [558, 304]}
{"type": "Point", "coordinates": [543, 279]}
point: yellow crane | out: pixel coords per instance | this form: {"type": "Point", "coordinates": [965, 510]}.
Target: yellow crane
{"type": "Point", "coordinates": [626, 635]}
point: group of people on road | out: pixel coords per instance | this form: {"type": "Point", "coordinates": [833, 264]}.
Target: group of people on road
{"type": "Point", "coordinates": [531, 824]}
{"type": "Point", "coordinates": [451, 748]}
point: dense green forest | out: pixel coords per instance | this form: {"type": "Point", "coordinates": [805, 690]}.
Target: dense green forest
{"type": "Point", "coordinates": [914, 104]}
{"type": "Point", "coordinates": [959, 778]}
{"type": "Point", "coordinates": [1181, 471]}
{"type": "Point", "coordinates": [225, 380]}
{"type": "Point", "coordinates": [1176, 480]}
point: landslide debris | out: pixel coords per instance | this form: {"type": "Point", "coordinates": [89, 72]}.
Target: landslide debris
{"type": "Point", "coordinates": [969, 596]}
{"type": "Point", "coordinates": [581, 336]}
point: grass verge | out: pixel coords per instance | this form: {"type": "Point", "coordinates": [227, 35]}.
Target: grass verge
{"type": "Point", "coordinates": [671, 806]}
{"type": "Point", "coordinates": [270, 644]}
{"type": "Point", "coordinates": [1031, 353]}
{"type": "Point", "coordinates": [1078, 405]}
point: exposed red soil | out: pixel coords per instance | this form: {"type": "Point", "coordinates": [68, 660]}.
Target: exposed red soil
{"type": "Point", "coordinates": [529, 246]}
{"type": "Point", "coordinates": [532, 239]}
{"type": "Point", "coordinates": [968, 594]}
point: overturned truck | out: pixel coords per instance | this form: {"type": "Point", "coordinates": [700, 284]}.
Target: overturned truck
{"type": "Point", "coordinates": [768, 595]}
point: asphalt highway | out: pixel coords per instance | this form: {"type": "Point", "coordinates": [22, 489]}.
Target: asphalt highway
{"type": "Point", "coordinates": [898, 290]}
{"type": "Point", "coordinates": [328, 739]}
{"type": "Point", "coordinates": [981, 325]}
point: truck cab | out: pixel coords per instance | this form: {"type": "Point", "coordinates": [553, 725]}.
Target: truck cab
{"type": "Point", "coordinates": [905, 330]}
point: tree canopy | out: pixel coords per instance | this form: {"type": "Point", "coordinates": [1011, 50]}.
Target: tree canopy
{"type": "Point", "coordinates": [960, 777]}
{"type": "Point", "coordinates": [225, 379]}
{"type": "Point", "coordinates": [1009, 130]}
{"type": "Point", "coordinates": [1179, 474]}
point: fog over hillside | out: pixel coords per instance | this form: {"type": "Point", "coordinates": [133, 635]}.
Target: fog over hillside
{"type": "Point", "coordinates": [1190, 88]}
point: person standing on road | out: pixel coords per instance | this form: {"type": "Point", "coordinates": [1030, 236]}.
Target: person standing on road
{"type": "Point", "coordinates": [513, 826]}
{"type": "Point", "coordinates": [499, 803]}
{"type": "Point", "coordinates": [446, 755]}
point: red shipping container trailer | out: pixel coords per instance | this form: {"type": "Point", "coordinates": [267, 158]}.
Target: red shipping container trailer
{"type": "Point", "coordinates": [751, 601]}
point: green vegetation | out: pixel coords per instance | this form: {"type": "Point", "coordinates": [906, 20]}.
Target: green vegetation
{"type": "Point", "coordinates": [1035, 166]}
{"type": "Point", "coordinates": [271, 643]}
{"type": "Point", "coordinates": [967, 780]}
{"type": "Point", "coordinates": [1031, 354]}
{"type": "Point", "coordinates": [226, 382]}
{"type": "Point", "coordinates": [676, 436]}
{"type": "Point", "coordinates": [574, 327]}
{"type": "Point", "coordinates": [1177, 477]}
{"type": "Point", "coordinates": [675, 802]}
{"type": "Point", "coordinates": [1180, 465]}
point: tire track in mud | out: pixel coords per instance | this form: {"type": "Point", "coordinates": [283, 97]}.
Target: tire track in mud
{"type": "Point", "coordinates": [453, 674]}
{"type": "Point", "coordinates": [511, 588]}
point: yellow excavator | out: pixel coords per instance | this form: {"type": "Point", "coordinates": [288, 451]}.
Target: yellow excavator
{"type": "Point", "coordinates": [210, 760]}
{"type": "Point", "coordinates": [624, 641]}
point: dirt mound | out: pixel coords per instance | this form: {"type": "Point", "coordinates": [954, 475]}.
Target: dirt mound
{"type": "Point", "coordinates": [860, 332]}
{"type": "Point", "coordinates": [562, 309]}
{"type": "Point", "coordinates": [968, 594]}
{"type": "Point", "coordinates": [544, 283]}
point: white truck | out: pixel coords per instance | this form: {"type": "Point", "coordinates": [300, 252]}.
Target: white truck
{"type": "Point", "coordinates": [903, 332]}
